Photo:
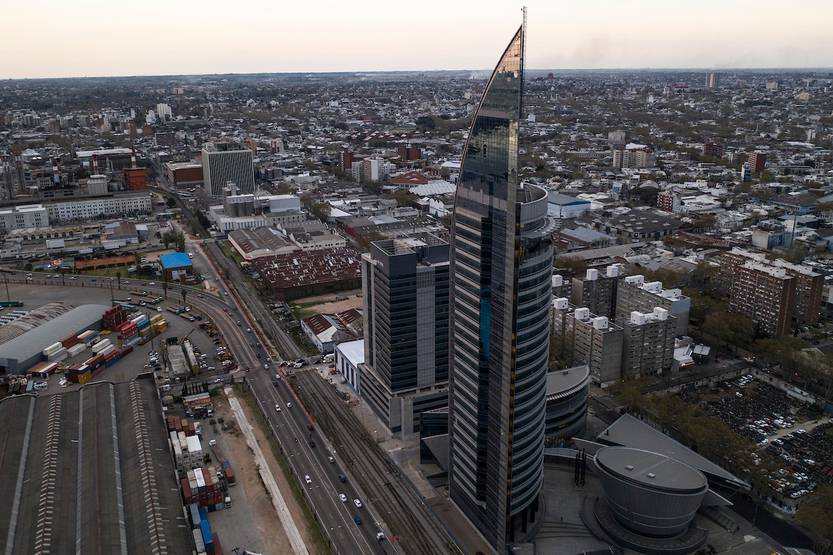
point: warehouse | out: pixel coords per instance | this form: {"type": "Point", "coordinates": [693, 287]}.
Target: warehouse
{"type": "Point", "coordinates": [19, 354]}
{"type": "Point", "coordinates": [89, 469]}
{"type": "Point", "coordinates": [176, 265]}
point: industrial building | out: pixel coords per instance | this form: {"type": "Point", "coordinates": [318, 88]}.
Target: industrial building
{"type": "Point", "coordinates": [305, 273]}
{"type": "Point", "coordinates": [567, 392]}
{"type": "Point", "coordinates": [176, 266]}
{"type": "Point", "coordinates": [349, 358]}
{"type": "Point", "coordinates": [89, 471]}
{"type": "Point", "coordinates": [20, 353]}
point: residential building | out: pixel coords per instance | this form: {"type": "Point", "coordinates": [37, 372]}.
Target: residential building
{"type": "Point", "coordinates": [597, 291]}
{"type": "Point", "coordinates": [635, 295]}
{"type": "Point", "coordinates": [501, 276]}
{"type": "Point", "coordinates": [757, 161]}
{"type": "Point", "coordinates": [581, 337]}
{"type": "Point", "coordinates": [405, 285]}
{"type": "Point", "coordinates": [807, 290]}
{"type": "Point", "coordinates": [633, 155]}
{"type": "Point", "coordinates": [648, 343]}
{"type": "Point", "coordinates": [560, 286]}
{"type": "Point", "coordinates": [712, 80]}
{"type": "Point", "coordinates": [225, 163]}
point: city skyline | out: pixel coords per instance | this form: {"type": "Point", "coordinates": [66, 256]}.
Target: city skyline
{"type": "Point", "coordinates": [176, 40]}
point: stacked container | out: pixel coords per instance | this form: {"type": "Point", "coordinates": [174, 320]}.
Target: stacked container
{"type": "Point", "coordinates": [76, 349]}
{"type": "Point", "coordinates": [113, 317]}
{"type": "Point", "coordinates": [228, 472]}
{"type": "Point", "coordinates": [127, 330]}
{"type": "Point", "coordinates": [101, 345]}
{"type": "Point", "coordinates": [88, 337]}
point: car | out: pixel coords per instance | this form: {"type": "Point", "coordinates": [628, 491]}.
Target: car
{"type": "Point", "coordinates": [238, 323]}
{"type": "Point", "coordinates": [277, 408]}
{"type": "Point", "coordinates": [307, 479]}
{"type": "Point", "coordinates": [158, 309]}
{"type": "Point", "coordinates": [266, 367]}
{"type": "Point", "coordinates": [357, 503]}
{"type": "Point", "coordinates": [380, 536]}
{"type": "Point", "coordinates": [358, 520]}
{"type": "Point", "coordinates": [342, 478]}
{"type": "Point", "coordinates": [311, 443]}
{"type": "Point", "coordinates": [342, 497]}
{"type": "Point", "coordinates": [41, 385]}
{"type": "Point", "coordinates": [331, 459]}
{"type": "Point", "coordinates": [152, 283]}
{"type": "Point", "coordinates": [72, 277]}
{"type": "Point", "coordinates": [212, 442]}
{"type": "Point", "coordinates": [63, 382]}
{"type": "Point", "coordinates": [249, 330]}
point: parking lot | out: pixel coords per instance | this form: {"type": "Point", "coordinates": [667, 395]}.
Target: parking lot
{"type": "Point", "coordinates": [795, 435]}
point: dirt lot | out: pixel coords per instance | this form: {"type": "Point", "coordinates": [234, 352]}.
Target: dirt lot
{"type": "Point", "coordinates": [266, 521]}
{"type": "Point", "coordinates": [327, 304]}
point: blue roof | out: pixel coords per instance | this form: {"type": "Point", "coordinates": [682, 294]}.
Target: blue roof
{"type": "Point", "coordinates": [174, 260]}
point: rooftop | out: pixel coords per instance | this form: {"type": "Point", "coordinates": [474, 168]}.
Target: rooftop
{"type": "Point", "coordinates": [566, 381]}
{"type": "Point", "coordinates": [90, 468]}
{"type": "Point", "coordinates": [630, 432]}
{"type": "Point", "coordinates": [175, 260]}
{"type": "Point", "coordinates": [653, 470]}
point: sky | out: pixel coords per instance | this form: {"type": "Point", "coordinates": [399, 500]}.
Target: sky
{"type": "Point", "coordinates": [61, 38]}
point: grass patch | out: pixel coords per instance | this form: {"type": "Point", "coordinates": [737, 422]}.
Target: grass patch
{"type": "Point", "coordinates": [318, 538]}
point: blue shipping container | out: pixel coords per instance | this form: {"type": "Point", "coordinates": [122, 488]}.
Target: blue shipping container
{"type": "Point", "coordinates": [207, 538]}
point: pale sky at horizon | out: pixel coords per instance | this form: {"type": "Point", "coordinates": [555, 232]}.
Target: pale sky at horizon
{"type": "Point", "coordinates": [43, 38]}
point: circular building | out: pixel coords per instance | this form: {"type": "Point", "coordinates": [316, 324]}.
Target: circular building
{"type": "Point", "coordinates": [566, 403]}
{"type": "Point", "coordinates": [650, 493]}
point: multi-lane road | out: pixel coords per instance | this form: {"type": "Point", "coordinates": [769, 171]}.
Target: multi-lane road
{"type": "Point", "coordinates": [323, 492]}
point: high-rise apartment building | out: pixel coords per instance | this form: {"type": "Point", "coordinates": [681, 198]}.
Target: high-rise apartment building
{"type": "Point", "coordinates": [501, 291]}
{"type": "Point", "coordinates": [581, 337]}
{"type": "Point", "coordinates": [405, 283]}
{"type": "Point", "coordinates": [757, 161]}
{"type": "Point", "coordinates": [712, 80]}
{"type": "Point", "coordinates": [635, 295]}
{"type": "Point", "coordinates": [807, 291]}
{"type": "Point", "coordinates": [633, 155]}
{"type": "Point", "coordinates": [597, 291]}
{"type": "Point", "coordinates": [227, 162]}
{"type": "Point", "coordinates": [648, 346]}
{"type": "Point", "coordinates": [765, 294]}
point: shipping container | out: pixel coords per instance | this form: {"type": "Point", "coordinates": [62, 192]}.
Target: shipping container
{"type": "Point", "coordinates": [76, 349]}
{"type": "Point", "coordinates": [207, 536]}
{"type": "Point", "coordinates": [85, 377]}
{"type": "Point", "coordinates": [218, 550]}
{"type": "Point", "coordinates": [198, 541]}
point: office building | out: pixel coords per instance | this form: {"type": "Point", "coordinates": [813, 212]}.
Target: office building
{"type": "Point", "coordinates": [581, 337]}
{"type": "Point", "coordinates": [405, 283]}
{"type": "Point", "coordinates": [807, 289]}
{"type": "Point", "coordinates": [501, 276]}
{"type": "Point", "coordinates": [184, 174]}
{"type": "Point", "coordinates": [648, 345]}
{"type": "Point", "coordinates": [633, 294]}
{"type": "Point", "coordinates": [597, 291]}
{"type": "Point", "coordinates": [225, 163]}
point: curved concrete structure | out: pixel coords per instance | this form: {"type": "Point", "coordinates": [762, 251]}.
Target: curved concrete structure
{"type": "Point", "coordinates": [566, 402]}
{"type": "Point", "coordinates": [650, 493]}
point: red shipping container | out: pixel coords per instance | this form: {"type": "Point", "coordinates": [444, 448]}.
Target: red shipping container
{"type": "Point", "coordinates": [218, 550]}
{"type": "Point", "coordinates": [186, 488]}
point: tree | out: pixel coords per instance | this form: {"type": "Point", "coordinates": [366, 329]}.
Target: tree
{"type": "Point", "coordinates": [815, 513]}
{"type": "Point", "coordinates": [730, 328]}
{"type": "Point", "coordinates": [170, 202]}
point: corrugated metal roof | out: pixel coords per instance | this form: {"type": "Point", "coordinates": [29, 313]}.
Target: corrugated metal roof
{"type": "Point", "coordinates": [35, 340]}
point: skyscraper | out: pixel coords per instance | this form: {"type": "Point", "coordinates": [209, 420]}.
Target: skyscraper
{"type": "Point", "coordinates": [501, 291]}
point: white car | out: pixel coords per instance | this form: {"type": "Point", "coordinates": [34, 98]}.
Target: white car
{"type": "Point", "coordinates": [342, 497]}
{"type": "Point", "coordinates": [63, 382]}
{"type": "Point", "coordinates": [307, 479]}
{"type": "Point", "coordinates": [289, 405]}
{"type": "Point", "coordinates": [152, 283]}
{"type": "Point", "coordinates": [357, 503]}
{"type": "Point", "coordinates": [277, 408]}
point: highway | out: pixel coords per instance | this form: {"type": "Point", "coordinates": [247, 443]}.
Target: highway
{"type": "Point", "coordinates": [335, 516]}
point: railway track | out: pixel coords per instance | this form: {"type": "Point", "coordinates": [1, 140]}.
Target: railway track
{"type": "Point", "coordinates": [403, 510]}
